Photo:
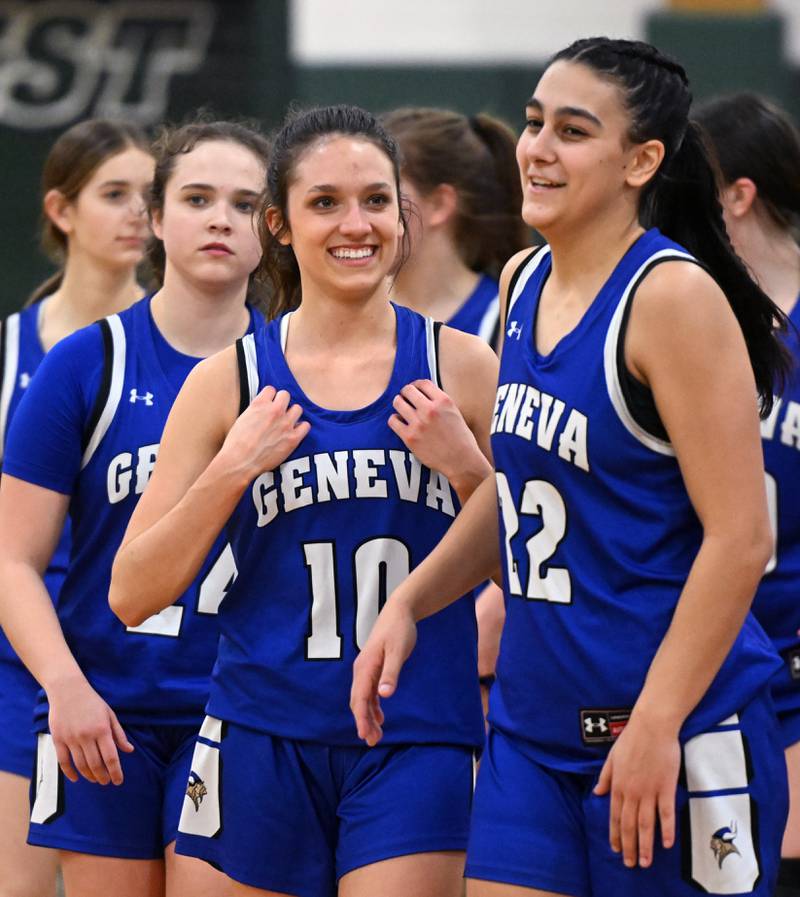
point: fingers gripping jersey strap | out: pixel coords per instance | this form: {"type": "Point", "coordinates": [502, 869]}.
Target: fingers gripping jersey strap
{"type": "Point", "coordinates": [432, 330]}
{"type": "Point", "coordinates": [110, 392]}
{"type": "Point", "coordinates": [248, 370]}
{"type": "Point", "coordinates": [9, 362]}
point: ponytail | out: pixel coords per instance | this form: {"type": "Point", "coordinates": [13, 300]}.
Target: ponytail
{"type": "Point", "coordinates": [45, 288]}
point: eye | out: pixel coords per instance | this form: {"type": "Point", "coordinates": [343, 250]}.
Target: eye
{"type": "Point", "coordinates": [533, 123]}
{"type": "Point", "coordinates": [246, 205]}
{"type": "Point", "coordinates": [196, 199]}
{"type": "Point", "coordinates": [572, 131]}
{"type": "Point", "coordinates": [114, 194]}
{"type": "Point", "coordinates": [379, 200]}
{"type": "Point", "coordinates": [323, 202]}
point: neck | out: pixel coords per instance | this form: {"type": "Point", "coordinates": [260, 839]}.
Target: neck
{"type": "Point", "coordinates": [435, 281]}
{"type": "Point", "coordinates": [326, 322]}
{"type": "Point", "coordinates": [773, 257]}
{"type": "Point", "coordinates": [88, 292]}
{"type": "Point", "coordinates": [586, 253]}
{"type": "Point", "coordinates": [199, 319]}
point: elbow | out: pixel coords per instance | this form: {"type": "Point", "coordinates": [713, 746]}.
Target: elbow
{"type": "Point", "coordinates": [121, 603]}
{"type": "Point", "coordinates": [751, 549]}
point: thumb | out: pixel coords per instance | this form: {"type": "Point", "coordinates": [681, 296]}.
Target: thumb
{"type": "Point", "coordinates": [120, 738]}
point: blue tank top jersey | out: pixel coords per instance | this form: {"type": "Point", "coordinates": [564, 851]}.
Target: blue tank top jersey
{"type": "Point", "coordinates": [777, 602]}
{"type": "Point", "coordinates": [597, 532]}
{"type": "Point", "coordinates": [319, 544]}
{"type": "Point", "coordinates": [21, 353]}
{"type": "Point", "coordinates": [89, 428]}
{"type": "Point", "coordinates": [480, 313]}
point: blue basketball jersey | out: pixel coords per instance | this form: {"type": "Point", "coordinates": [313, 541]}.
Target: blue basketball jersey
{"type": "Point", "coordinates": [90, 428]}
{"type": "Point", "coordinates": [480, 313]}
{"type": "Point", "coordinates": [319, 544]}
{"type": "Point", "coordinates": [597, 533]}
{"type": "Point", "coordinates": [21, 353]}
{"type": "Point", "coordinates": [777, 602]}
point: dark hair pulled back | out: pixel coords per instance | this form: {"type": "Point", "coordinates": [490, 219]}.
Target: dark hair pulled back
{"type": "Point", "coordinates": [301, 129]}
{"type": "Point", "coordinates": [753, 138]}
{"type": "Point", "coordinates": [681, 199]}
{"type": "Point", "coordinates": [176, 141]}
{"type": "Point", "coordinates": [69, 166]}
{"type": "Point", "coordinates": [477, 156]}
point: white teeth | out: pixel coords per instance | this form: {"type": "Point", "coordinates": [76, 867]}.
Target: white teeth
{"type": "Point", "coordinates": [541, 182]}
{"type": "Point", "coordinates": [345, 253]}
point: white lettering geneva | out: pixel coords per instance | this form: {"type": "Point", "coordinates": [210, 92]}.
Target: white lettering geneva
{"type": "Point", "coordinates": [124, 471]}
{"type": "Point", "coordinates": [783, 422]}
{"type": "Point", "coordinates": [524, 411]}
{"type": "Point", "coordinates": [356, 473]}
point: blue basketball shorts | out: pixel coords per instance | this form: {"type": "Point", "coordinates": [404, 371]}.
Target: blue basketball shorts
{"type": "Point", "coordinates": [785, 687]}
{"type": "Point", "coordinates": [539, 827]}
{"type": "Point", "coordinates": [18, 690]}
{"type": "Point", "coordinates": [295, 816]}
{"type": "Point", "coordinates": [134, 820]}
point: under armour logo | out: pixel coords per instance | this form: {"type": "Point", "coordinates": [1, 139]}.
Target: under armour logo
{"type": "Point", "coordinates": [147, 398]}
{"type": "Point", "coordinates": [24, 380]}
{"type": "Point", "coordinates": [595, 724]}
{"type": "Point", "coordinates": [514, 330]}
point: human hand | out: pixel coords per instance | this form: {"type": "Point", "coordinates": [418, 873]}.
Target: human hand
{"type": "Point", "coordinates": [86, 733]}
{"type": "Point", "coordinates": [377, 668]}
{"type": "Point", "coordinates": [265, 434]}
{"type": "Point", "coordinates": [641, 774]}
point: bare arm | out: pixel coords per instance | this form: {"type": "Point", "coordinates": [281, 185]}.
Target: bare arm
{"type": "Point", "coordinates": [685, 343]}
{"type": "Point", "coordinates": [84, 729]}
{"type": "Point", "coordinates": [207, 458]}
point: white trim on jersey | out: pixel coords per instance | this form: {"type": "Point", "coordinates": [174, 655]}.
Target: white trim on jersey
{"type": "Point", "coordinates": [251, 364]}
{"type": "Point", "coordinates": [430, 345]}
{"type": "Point", "coordinates": [10, 365]}
{"type": "Point", "coordinates": [613, 386]}
{"type": "Point", "coordinates": [489, 320]}
{"type": "Point", "coordinates": [525, 276]}
{"type": "Point", "coordinates": [285, 330]}
{"type": "Point", "coordinates": [118, 350]}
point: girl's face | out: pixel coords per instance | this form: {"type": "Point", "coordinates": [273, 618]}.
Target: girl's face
{"type": "Point", "coordinates": [207, 223]}
{"type": "Point", "coordinates": [343, 215]}
{"type": "Point", "coordinates": [107, 221]}
{"type": "Point", "coordinates": [574, 156]}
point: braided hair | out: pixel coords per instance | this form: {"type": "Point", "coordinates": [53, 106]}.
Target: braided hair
{"type": "Point", "coordinates": [681, 199]}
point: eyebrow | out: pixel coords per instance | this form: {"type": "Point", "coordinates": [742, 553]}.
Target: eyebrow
{"type": "Point", "coordinates": [245, 191]}
{"type": "Point", "coordinates": [332, 188]}
{"type": "Point", "coordinates": [571, 111]}
{"type": "Point", "coordinates": [115, 183]}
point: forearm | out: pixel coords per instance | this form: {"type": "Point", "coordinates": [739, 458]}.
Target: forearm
{"type": "Point", "coordinates": [157, 565]}
{"type": "Point", "coordinates": [709, 615]}
{"type": "Point", "coordinates": [475, 470]}
{"type": "Point", "coordinates": [29, 621]}
{"type": "Point", "coordinates": [466, 556]}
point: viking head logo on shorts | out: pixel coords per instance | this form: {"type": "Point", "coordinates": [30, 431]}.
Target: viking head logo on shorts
{"type": "Point", "coordinates": [196, 790]}
{"type": "Point", "coordinates": [722, 842]}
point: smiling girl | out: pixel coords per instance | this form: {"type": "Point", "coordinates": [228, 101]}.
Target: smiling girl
{"type": "Point", "coordinates": [628, 511]}
{"type": "Point", "coordinates": [93, 202]}
{"type": "Point", "coordinates": [84, 441]}
{"type": "Point", "coordinates": [305, 442]}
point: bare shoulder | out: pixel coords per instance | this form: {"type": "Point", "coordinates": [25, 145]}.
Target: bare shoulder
{"type": "Point", "coordinates": [212, 388]}
{"type": "Point", "coordinates": [676, 291]}
{"type": "Point", "coordinates": [463, 356]}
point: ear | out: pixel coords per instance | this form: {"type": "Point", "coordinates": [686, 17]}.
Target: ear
{"type": "Point", "coordinates": [442, 203]}
{"type": "Point", "coordinates": [156, 223]}
{"type": "Point", "coordinates": [738, 197]}
{"type": "Point", "coordinates": [58, 210]}
{"type": "Point", "coordinates": [275, 223]}
{"type": "Point", "coordinates": [644, 162]}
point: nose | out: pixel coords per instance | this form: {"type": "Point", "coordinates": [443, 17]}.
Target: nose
{"type": "Point", "coordinates": [137, 206]}
{"type": "Point", "coordinates": [539, 145]}
{"type": "Point", "coordinates": [219, 220]}
{"type": "Point", "coordinates": [354, 222]}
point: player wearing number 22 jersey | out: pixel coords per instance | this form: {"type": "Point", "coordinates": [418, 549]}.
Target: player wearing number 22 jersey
{"type": "Point", "coordinates": [598, 535]}
{"type": "Point", "coordinates": [89, 427]}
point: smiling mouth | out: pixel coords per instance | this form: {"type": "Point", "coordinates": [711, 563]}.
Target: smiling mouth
{"type": "Point", "coordinates": [544, 183]}
{"type": "Point", "coordinates": [346, 252]}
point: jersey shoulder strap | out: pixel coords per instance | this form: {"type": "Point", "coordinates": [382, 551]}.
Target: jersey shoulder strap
{"type": "Point", "coordinates": [432, 331]}
{"type": "Point", "coordinates": [108, 396]}
{"type": "Point", "coordinates": [522, 275]}
{"type": "Point", "coordinates": [247, 362]}
{"type": "Point", "coordinates": [9, 364]}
